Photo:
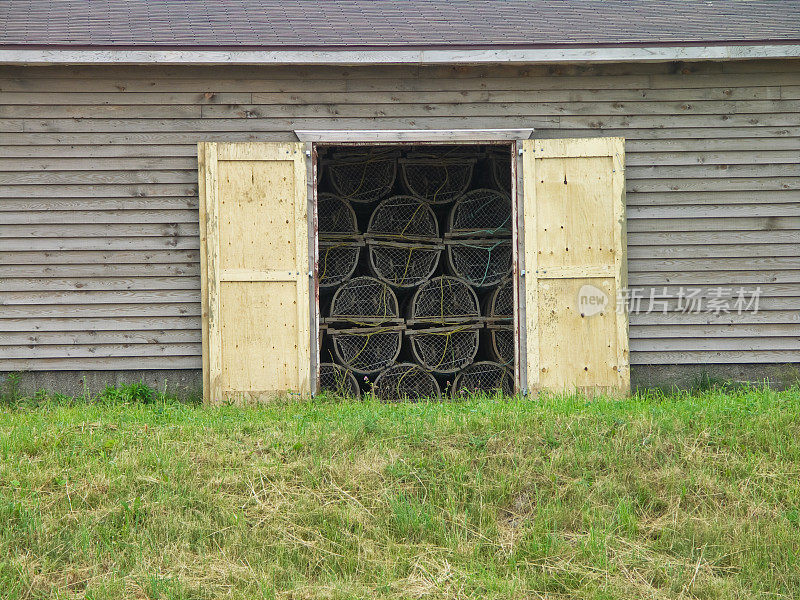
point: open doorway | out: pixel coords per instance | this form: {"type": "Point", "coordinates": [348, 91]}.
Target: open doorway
{"type": "Point", "coordinates": [415, 268]}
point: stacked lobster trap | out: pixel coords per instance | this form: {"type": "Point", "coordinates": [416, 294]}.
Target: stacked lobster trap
{"type": "Point", "coordinates": [415, 271]}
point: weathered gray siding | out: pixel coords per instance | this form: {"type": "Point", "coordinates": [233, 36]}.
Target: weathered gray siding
{"type": "Point", "coordinates": [98, 193]}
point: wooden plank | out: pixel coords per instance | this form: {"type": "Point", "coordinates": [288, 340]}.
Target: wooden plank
{"type": "Point", "coordinates": [123, 206]}
{"type": "Point", "coordinates": [86, 284]}
{"type": "Point", "coordinates": [713, 171]}
{"type": "Point", "coordinates": [100, 111]}
{"type": "Point", "coordinates": [53, 244]}
{"type": "Point", "coordinates": [711, 277]}
{"type": "Point", "coordinates": [89, 230]}
{"type": "Point", "coordinates": [76, 161]}
{"type": "Point", "coordinates": [761, 213]}
{"type": "Point", "coordinates": [652, 333]}
{"type": "Point", "coordinates": [91, 338]}
{"type": "Point", "coordinates": [91, 363]}
{"type": "Point", "coordinates": [35, 312]}
{"type": "Point", "coordinates": [80, 217]}
{"type": "Point", "coordinates": [711, 197]}
{"type": "Point", "coordinates": [716, 357]}
{"type": "Point", "coordinates": [147, 190]}
{"type": "Point", "coordinates": [97, 350]}
{"type": "Point", "coordinates": [665, 157]}
{"type": "Point", "coordinates": [686, 238]}
{"type": "Point", "coordinates": [746, 344]}
{"type": "Point", "coordinates": [115, 150]}
{"type": "Point", "coordinates": [100, 324]}
{"type": "Point", "coordinates": [715, 184]}
{"type": "Point", "coordinates": [100, 258]}
{"type": "Point", "coordinates": [710, 265]}
{"type": "Point", "coordinates": [732, 250]}
{"type": "Point", "coordinates": [38, 177]}
{"type": "Point", "coordinates": [710, 318]}
{"type": "Point", "coordinates": [59, 271]}
{"type": "Point", "coordinates": [169, 296]}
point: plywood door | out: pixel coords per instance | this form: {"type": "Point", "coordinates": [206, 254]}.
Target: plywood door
{"type": "Point", "coordinates": [255, 283]}
{"type": "Point", "coordinates": [575, 264]}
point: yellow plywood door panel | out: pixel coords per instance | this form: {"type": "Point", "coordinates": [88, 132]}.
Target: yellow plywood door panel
{"type": "Point", "coordinates": [255, 283]}
{"type": "Point", "coordinates": [575, 264]}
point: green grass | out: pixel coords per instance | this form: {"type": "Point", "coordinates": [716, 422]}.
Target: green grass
{"type": "Point", "coordinates": [660, 496]}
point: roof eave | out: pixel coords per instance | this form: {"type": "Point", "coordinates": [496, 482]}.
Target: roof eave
{"type": "Point", "coordinates": [394, 55]}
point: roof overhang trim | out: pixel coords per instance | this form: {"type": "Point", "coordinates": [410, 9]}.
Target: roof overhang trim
{"type": "Point", "coordinates": [44, 56]}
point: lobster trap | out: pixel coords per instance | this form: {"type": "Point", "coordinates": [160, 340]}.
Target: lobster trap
{"type": "Point", "coordinates": [338, 381]}
{"type": "Point", "coordinates": [366, 350]}
{"type": "Point", "coordinates": [339, 241]}
{"type": "Point", "coordinates": [479, 237]}
{"type": "Point", "coordinates": [444, 300]}
{"type": "Point", "coordinates": [445, 350]}
{"type": "Point", "coordinates": [363, 301]}
{"type": "Point", "coordinates": [499, 319]}
{"type": "Point", "coordinates": [438, 179]}
{"type": "Point", "coordinates": [403, 241]}
{"type": "Point", "coordinates": [484, 377]}
{"type": "Point", "coordinates": [405, 381]}
{"type": "Point", "coordinates": [500, 169]}
{"type": "Point", "coordinates": [363, 177]}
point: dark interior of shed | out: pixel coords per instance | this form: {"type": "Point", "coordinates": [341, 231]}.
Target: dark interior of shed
{"type": "Point", "coordinates": [414, 270]}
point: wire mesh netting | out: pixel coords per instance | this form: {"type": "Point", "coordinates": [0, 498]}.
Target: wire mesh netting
{"type": "Point", "coordinates": [500, 166]}
{"type": "Point", "coordinates": [479, 237]}
{"type": "Point", "coordinates": [499, 322]}
{"type": "Point", "coordinates": [339, 241]}
{"type": "Point", "coordinates": [445, 349]}
{"type": "Point", "coordinates": [366, 350]}
{"type": "Point", "coordinates": [338, 381]}
{"type": "Point", "coordinates": [501, 344]}
{"type": "Point", "coordinates": [403, 240]}
{"type": "Point", "coordinates": [484, 377]}
{"type": "Point", "coordinates": [481, 213]}
{"type": "Point", "coordinates": [364, 300]}
{"type": "Point", "coordinates": [501, 305]}
{"type": "Point", "coordinates": [363, 177]}
{"type": "Point", "coordinates": [483, 263]}
{"type": "Point", "coordinates": [444, 300]}
{"type": "Point", "coordinates": [437, 179]}
{"type": "Point", "coordinates": [405, 381]}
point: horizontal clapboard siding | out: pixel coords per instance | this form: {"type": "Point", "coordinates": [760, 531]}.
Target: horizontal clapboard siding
{"type": "Point", "coordinates": [99, 250]}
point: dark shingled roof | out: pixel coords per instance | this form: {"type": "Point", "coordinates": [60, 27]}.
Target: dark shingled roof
{"type": "Point", "coordinates": [394, 23]}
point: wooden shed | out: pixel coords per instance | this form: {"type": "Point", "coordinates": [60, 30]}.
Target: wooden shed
{"type": "Point", "coordinates": [164, 166]}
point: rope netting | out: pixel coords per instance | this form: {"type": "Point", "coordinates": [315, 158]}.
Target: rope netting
{"type": "Point", "coordinates": [363, 177]}
{"type": "Point", "coordinates": [366, 350]}
{"type": "Point", "coordinates": [364, 301]}
{"type": "Point", "coordinates": [405, 381]}
{"type": "Point", "coordinates": [442, 301]}
{"type": "Point", "coordinates": [499, 322]}
{"type": "Point", "coordinates": [403, 240]}
{"type": "Point", "coordinates": [445, 349]}
{"type": "Point", "coordinates": [437, 179]}
{"type": "Point", "coordinates": [484, 377]}
{"type": "Point", "coordinates": [500, 166]}
{"type": "Point", "coordinates": [338, 381]}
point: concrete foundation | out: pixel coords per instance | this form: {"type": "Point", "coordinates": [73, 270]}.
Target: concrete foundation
{"type": "Point", "coordinates": [187, 384]}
